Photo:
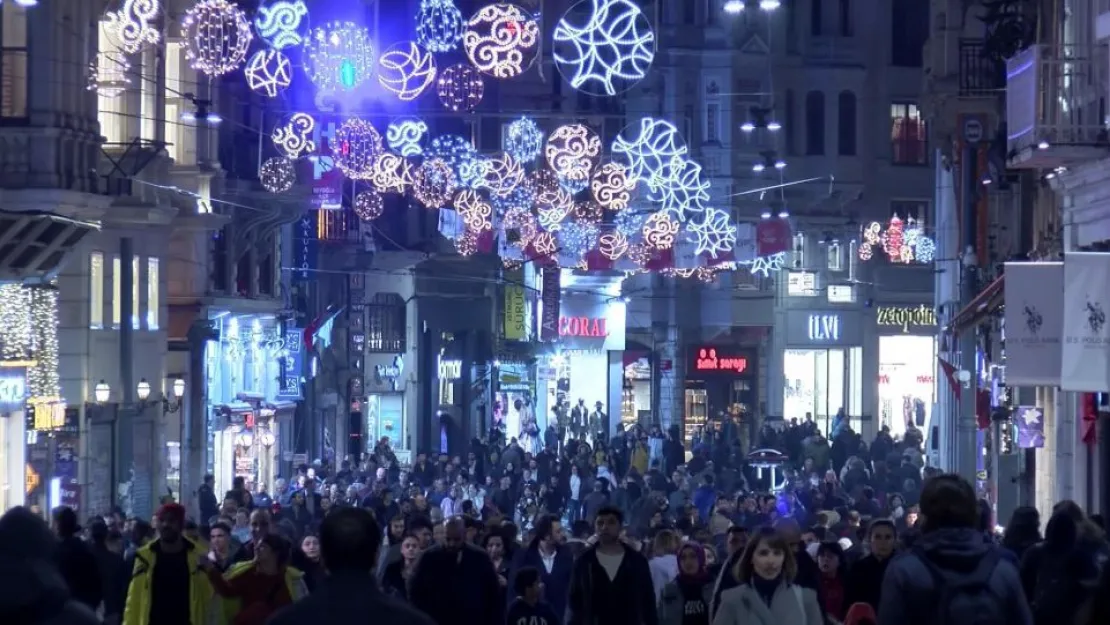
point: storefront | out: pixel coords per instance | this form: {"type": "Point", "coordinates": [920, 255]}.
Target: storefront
{"type": "Point", "coordinates": [13, 394]}
{"type": "Point", "coordinates": [721, 391]}
{"type": "Point", "coordinates": [385, 409]}
{"type": "Point", "coordinates": [636, 392]}
{"type": "Point", "coordinates": [514, 401]}
{"type": "Point", "coordinates": [823, 366]}
{"type": "Point", "coordinates": [907, 357]}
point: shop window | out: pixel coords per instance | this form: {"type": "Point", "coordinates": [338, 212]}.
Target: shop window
{"type": "Point", "coordinates": [819, 383]}
{"type": "Point", "coordinates": [908, 140]}
{"type": "Point", "coordinates": [117, 308]}
{"type": "Point", "coordinates": [917, 210]}
{"type": "Point", "coordinates": [697, 412]}
{"type": "Point", "coordinates": [385, 327]}
{"type": "Point", "coordinates": [712, 125]}
{"type": "Point", "coordinates": [853, 260]}
{"type": "Point", "coordinates": [801, 284]}
{"type": "Point", "coordinates": [153, 296]}
{"type": "Point", "coordinates": [835, 256]}
{"type": "Point", "coordinates": [846, 124]}
{"type": "Point", "coordinates": [842, 294]}
{"type": "Point", "coordinates": [13, 62]}
{"type": "Point", "coordinates": [798, 251]}
{"type": "Point", "coordinates": [96, 290]}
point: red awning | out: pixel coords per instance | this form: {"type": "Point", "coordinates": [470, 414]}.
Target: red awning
{"type": "Point", "coordinates": [986, 302]}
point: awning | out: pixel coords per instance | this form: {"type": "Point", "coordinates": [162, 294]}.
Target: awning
{"type": "Point", "coordinates": [33, 245]}
{"type": "Point", "coordinates": [986, 302]}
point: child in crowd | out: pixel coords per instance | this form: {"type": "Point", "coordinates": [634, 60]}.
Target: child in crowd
{"type": "Point", "coordinates": [528, 608]}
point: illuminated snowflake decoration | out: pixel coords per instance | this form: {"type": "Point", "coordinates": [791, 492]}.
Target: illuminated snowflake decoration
{"type": "Point", "coordinates": [406, 136]}
{"type": "Point", "coordinates": [545, 244]}
{"type": "Point", "coordinates": [133, 26]}
{"type": "Point", "coordinates": [434, 183]}
{"type": "Point", "coordinates": [475, 212]}
{"type": "Point", "coordinates": [277, 175]}
{"type": "Point", "coordinates": [608, 51]}
{"type": "Point", "coordinates": [519, 226]}
{"type": "Point", "coordinates": [339, 56]}
{"type": "Point", "coordinates": [369, 205]}
{"type": "Point", "coordinates": [466, 244]}
{"type": "Point", "coordinates": [269, 72]}
{"type": "Point", "coordinates": [406, 70]}
{"type": "Point", "coordinates": [681, 188]}
{"type": "Point", "coordinates": [631, 222]}
{"type": "Point", "coordinates": [611, 186]}
{"type": "Point", "coordinates": [461, 155]}
{"type": "Point", "coordinates": [460, 88]}
{"type": "Point", "coordinates": [439, 25]}
{"type": "Point", "coordinates": [588, 211]}
{"type": "Point", "coordinates": [650, 150]}
{"type": "Point", "coordinates": [294, 137]}
{"type": "Point", "coordinates": [578, 237]}
{"type": "Point", "coordinates": [391, 174]}
{"type": "Point", "coordinates": [524, 140]}
{"type": "Point", "coordinates": [660, 231]}
{"type": "Point", "coordinates": [217, 37]}
{"type": "Point", "coordinates": [612, 245]}
{"type": "Point", "coordinates": [764, 265]}
{"type": "Point", "coordinates": [502, 175]}
{"type": "Point", "coordinates": [282, 23]}
{"type": "Point", "coordinates": [358, 145]}
{"type": "Point", "coordinates": [572, 151]}
{"type": "Point", "coordinates": [502, 40]}
{"type": "Point", "coordinates": [713, 232]}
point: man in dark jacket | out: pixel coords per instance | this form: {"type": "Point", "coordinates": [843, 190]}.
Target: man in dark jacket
{"type": "Point", "coordinates": [206, 496]}
{"type": "Point", "coordinates": [611, 582]}
{"type": "Point", "coordinates": [865, 577]}
{"type": "Point", "coordinates": [455, 583]}
{"type": "Point", "coordinates": [75, 560]}
{"type": "Point", "coordinates": [349, 595]}
{"type": "Point", "coordinates": [553, 559]}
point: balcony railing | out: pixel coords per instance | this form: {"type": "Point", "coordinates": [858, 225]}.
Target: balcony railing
{"type": "Point", "coordinates": [981, 76]}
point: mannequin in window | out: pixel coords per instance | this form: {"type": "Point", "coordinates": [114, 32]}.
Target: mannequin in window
{"type": "Point", "coordinates": [597, 423]}
{"type": "Point", "coordinates": [578, 418]}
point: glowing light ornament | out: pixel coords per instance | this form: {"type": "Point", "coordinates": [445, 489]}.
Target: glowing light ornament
{"type": "Point", "coordinates": [872, 237]}
{"type": "Point", "coordinates": [713, 232]}
{"type": "Point", "coordinates": [339, 55]}
{"type": "Point", "coordinates": [578, 237]}
{"type": "Point", "coordinates": [502, 40]}
{"type": "Point", "coordinates": [893, 239]}
{"type": "Point", "coordinates": [520, 227]}
{"type": "Point", "coordinates": [406, 70]}
{"type": "Point", "coordinates": [294, 137]}
{"type": "Point", "coordinates": [611, 186]}
{"type": "Point", "coordinates": [502, 175]}
{"type": "Point", "coordinates": [434, 183]}
{"type": "Point", "coordinates": [588, 211]}
{"type": "Point", "coordinates": [391, 174]}
{"type": "Point", "coordinates": [524, 139]}
{"type": "Point", "coordinates": [282, 23]}
{"type": "Point", "coordinates": [660, 231]}
{"type": "Point", "coordinates": [406, 136]}
{"type": "Point", "coordinates": [358, 145]}
{"type": "Point", "coordinates": [925, 251]}
{"type": "Point", "coordinates": [511, 264]}
{"type": "Point", "coordinates": [545, 244]}
{"type": "Point", "coordinates": [553, 202]}
{"type": "Point", "coordinates": [630, 222]}
{"type": "Point", "coordinates": [612, 245]}
{"type": "Point", "coordinates": [606, 48]}
{"type": "Point", "coordinates": [523, 197]}
{"type": "Point", "coordinates": [277, 175]}
{"type": "Point", "coordinates": [475, 212]}
{"type": "Point", "coordinates": [217, 37]}
{"type": "Point", "coordinates": [466, 244]}
{"type": "Point", "coordinates": [572, 151]}
{"type": "Point", "coordinates": [460, 88]}
{"type": "Point", "coordinates": [462, 156]}
{"type": "Point", "coordinates": [439, 25]}
{"type": "Point", "coordinates": [764, 265]}
{"type": "Point", "coordinates": [269, 72]}
{"type": "Point", "coordinates": [681, 188]}
{"type": "Point", "coordinates": [650, 149]}
{"type": "Point", "coordinates": [108, 74]}
{"type": "Point", "coordinates": [133, 25]}
{"type": "Point", "coordinates": [368, 205]}
{"type": "Point", "coordinates": [640, 254]}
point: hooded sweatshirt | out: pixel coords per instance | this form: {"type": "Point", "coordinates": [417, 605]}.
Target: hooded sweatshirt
{"type": "Point", "coordinates": [663, 571]}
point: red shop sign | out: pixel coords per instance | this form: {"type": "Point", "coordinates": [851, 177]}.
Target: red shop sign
{"type": "Point", "coordinates": [589, 327]}
{"type": "Point", "coordinates": [708, 359]}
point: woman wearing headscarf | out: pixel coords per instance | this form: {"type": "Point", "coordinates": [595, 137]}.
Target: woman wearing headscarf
{"type": "Point", "coordinates": [685, 601]}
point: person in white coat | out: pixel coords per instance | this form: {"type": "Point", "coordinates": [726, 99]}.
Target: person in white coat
{"type": "Point", "coordinates": [664, 561]}
{"type": "Point", "coordinates": [768, 594]}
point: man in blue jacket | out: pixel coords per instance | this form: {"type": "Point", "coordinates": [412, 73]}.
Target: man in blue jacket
{"type": "Point", "coordinates": [548, 554]}
{"type": "Point", "coordinates": [705, 497]}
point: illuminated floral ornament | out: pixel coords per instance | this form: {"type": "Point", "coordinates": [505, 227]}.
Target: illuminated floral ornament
{"type": "Point", "coordinates": [660, 231]}
{"type": "Point", "coordinates": [368, 205]}
{"type": "Point", "coordinates": [577, 237]}
{"type": "Point", "coordinates": [466, 243]}
{"type": "Point", "coordinates": [608, 51]}
{"type": "Point", "coordinates": [461, 155]}
{"type": "Point", "coordinates": [681, 188]}
{"type": "Point", "coordinates": [108, 74]}
{"type": "Point", "coordinates": [281, 23]}
{"type": "Point", "coordinates": [524, 139]}
{"type": "Point", "coordinates": [893, 239]}
{"type": "Point", "coordinates": [406, 136]}
{"type": "Point", "coordinates": [545, 244]}
{"type": "Point", "coordinates": [133, 26]}
{"type": "Point", "coordinates": [391, 174]}
{"type": "Point", "coordinates": [339, 55]}
{"type": "Point", "coordinates": [434, 183]}
{"type": "Point", "coordinates": [475, 212]}
{"type": "Point", "coordinates": [439, 25]}
{"type": "Point", "coordinates": [713, 232]}
{"type": "Point", "coordinates": [406, 70]}
{"type": "Point", "coordinates": [611, 186]}
{"type": "Point", "coordinates": [294, 137]}
{"type": "Point", "coordinates": [501, 40]}
{"type": "Point", "coordinates": [502, 175]}
{"type": "Point", "coordinates": [572, 151]}
{"type": "Point", "coordinates": [520, 227]}
{"type": "Point", "coordinates": [460, 88]}
{"type": "Point", "coordinates": [269, 72]}
{"type": "Point", "coordinates": [277, 175]}
{"type": "Point", "coordinates": [217, 37]}
{"type": "Point", "coordinates": [872, 236]}
{"type": "Point", "coordinates": [612, 245]}
{"type": "Point", "coordinates": [764, 265]}
{"type": "Point", "coordinates": [358, 145]}
{"type": "Point", "coordinates": [588, 211]}
{"type": "Point", "coordinates": [650, 149]}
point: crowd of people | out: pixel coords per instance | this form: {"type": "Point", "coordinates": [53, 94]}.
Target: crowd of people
{"type": "Point", "coordinates": [632, 530]}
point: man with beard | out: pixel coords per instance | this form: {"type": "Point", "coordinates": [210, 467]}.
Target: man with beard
{"type": "Point", "coordinates": [553, 559]}
{"type": "Point", "coordinates": [166, 589]}
{"type": "Point", "coordinates": [455, 583]}
{"type": "Point", "coordinates": [611, 582]}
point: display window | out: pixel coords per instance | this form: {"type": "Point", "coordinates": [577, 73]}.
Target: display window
{"type": "Point", "coordinates": [636, 393]}
{"type": "Point", "coordinates": [907, 387]}
{"type": "Point", "coordinates": [385, 418]}
{"type": "Point", "coordinates": [819, 383]}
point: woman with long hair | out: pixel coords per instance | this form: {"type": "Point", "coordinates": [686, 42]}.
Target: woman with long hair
{"type": "Point", "coordinates": [833, 580]}
{"type": "Point", "coordinates": [395, 578]}
{"type": "Point", "coordinates": [494, 545]}
{"type": "Point", "coordinates": [664, 560]}
{"type": "Point", "coordinates": [767, 592]}
{"type": "Point", "coordinates": [314, 572]}
{"type": "Point", "coordinates": [1023, 531]}
{"type": "Point", "coordinates": [685, 601]}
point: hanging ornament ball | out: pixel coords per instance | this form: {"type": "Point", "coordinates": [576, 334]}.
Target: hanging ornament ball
{"type": "Point", "coordinates": [369, 205]}
{"type": "Point", "coordinates": [269, 72]}
{"type": "Point", "coordinates": [466, 244]}
{"type": "Point", "coordinates": [217, 37]}
{"type": "Point", "coordinates": [612, 187]}
{"type": "Point", "coordinates": [572, 151]}
{"type": "Point", "coordinates": [660, 231]}
{"type": "Point", "coordinates": [391, 174]}
{"type": "Point", "coordinates": [358, 145]}
{"type": "Point", "coordinates": [612, 245]}
{"type": "Point", "coordinates": [524, 139]}
{"type": "Point", "coordinates": [520, 226]}
{"type": "Point", "coordinates": [277, 175]}
{"type": "Point", "coordinates": [588, 211]}
{"type": "Point", "coordinates": [439, 25]}
{"type": "Point", "coordinates": [545, 244]}
{"type": "Point", "coordinates": [460, 88]}
{"type": "Point", "coordinates": [502, 40]}
{"type": "Point", "coordinates": [406, 70]}
{"type": "Point", "coordinates": [475, 212]}
{"type": "Point", "coordinates": [603, 47]}
{"type": "Point", "coordinates": [339, 56]}
{"type": "Point", "coordinates": [281, 23]}
{"type": "Point", "coordinates": [294, 136]}
{"type": "Point", "coordinates": [434, 183]}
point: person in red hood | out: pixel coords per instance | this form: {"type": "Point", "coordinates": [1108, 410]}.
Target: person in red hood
{"type": "Point", "coordinates": [861, 614]}
{"type": "Point", "coordinates": [830, 561]}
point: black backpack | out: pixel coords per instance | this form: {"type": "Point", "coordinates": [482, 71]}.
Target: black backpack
{"type": "Point", "coordinates": [966, 599]}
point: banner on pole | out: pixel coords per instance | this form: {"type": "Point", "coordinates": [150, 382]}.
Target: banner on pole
{"type": "Point", "coordinates": [1034, 323]}
{"type": "Point", "coordinates": [1085, 356]}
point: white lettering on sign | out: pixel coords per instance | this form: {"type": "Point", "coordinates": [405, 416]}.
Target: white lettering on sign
{"type": "Point", "coordinates": [450, 369]}
{"type": "Point", "coordinates": [824, 328]}
{"type": "Point", "coordinates": [13, 390]}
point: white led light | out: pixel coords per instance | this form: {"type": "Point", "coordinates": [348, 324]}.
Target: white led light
{"type": "Point", "coordinates": [502, 175]}
{"type": "Point", "coordinates": [475, 212]}
{"type": "Point", "coordinates": [609, 51]}
{"type": "Point", "coordinates": [611, 186]}
{"type": "Point", "coordinates": [368, 205]}
{"type": "Point", "coordinates": [681, 188]}
{"type": "Point", "coordinates": [133, 25]}
{"type": "Point", "coordinates": [406, 70]}
{"type": "Point", "coordinates": [358, 145]}
{"type": "Point", "coordinates": [269, 72]}
{"type": "Point", "coordinates": [339, 56]}
{"type": "Point", "coordinates": [277, 175]}
{"type": "Point", "coordinates": [502, 40]}
{"type": "Point", "coordinates": [439, 25]}
{"type": "Point", "coordinates": [460, 88]}
{"type": "Point", "coordinates": [281, 23]}
{"type": "Point", "coordinates": [406, 136]}
{"type": "Point", "coordinates": [572, 151]}
{"type": "Point", "coordinates": [217, 36]}
{"type": "Point", "coordinates": [649, 150]}
{"type": "Point", "coordinates": [294, 137]}
{"type": "Point", "coordinates": [612, 245]}
{"type": "Point", "coordinates": [713, 232]}
{"type": "Point", "coordinates": [524, 139]}
{"type": "Point", "coordinates": [660, 231]}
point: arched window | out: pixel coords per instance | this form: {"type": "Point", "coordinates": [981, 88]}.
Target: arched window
{"type": "Point", "coordinates": [385, 324]}
{"type": "Point", "coordinates": [815, 123]}
{"type": "Point", "coordinates": [846, 123]}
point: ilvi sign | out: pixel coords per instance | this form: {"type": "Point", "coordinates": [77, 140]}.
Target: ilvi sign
{"type": "Point", "coordinates": [907, 317]}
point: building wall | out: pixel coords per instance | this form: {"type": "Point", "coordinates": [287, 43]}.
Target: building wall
{"type": "Point", "coordinates": [410, 385]}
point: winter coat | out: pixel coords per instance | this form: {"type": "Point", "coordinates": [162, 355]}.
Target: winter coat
{"type": "Point", "coordinates": [865, 581]}
{"type": "Point", "coordinates": [350, 598]}
{"type": "Point", "coordinates": [791, 605]}
{"type": "Point", "coordinates": [80, 569]}
{"type": "Point", "coordinates": [671, 602]}
{"type": "Point", "coordinates": [628, 599]}
{"type": "Point", "coordinates": [556, 584]}
{"type": "Point", "coordinates": [663, 571]}
{"type": "Point", "coordinates": [457, 589]}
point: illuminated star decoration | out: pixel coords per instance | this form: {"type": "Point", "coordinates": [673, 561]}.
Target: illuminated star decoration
{"type": "Point", "coordinates": [439, 25]}
{"type": "Point", "coordinates": [339, 55]}
{"type": "Point", "coordinates": [269, 72]}
{"type": "Point", "coordinates": [461, 155]}
{"type": "Point", "coordinates": [611, 186]}
{"type": "Point", "coordinates": [277, 175]}
{"type": "Point", "coordinates": [475, 212]}
{"type": "Point", "coordinates": [133, 25]}
{"type": "Point", "coordinates": [524, 140]}
{"type": "Point", "coordinates": [612, 49]}
{"type": "Point", "coordinates": [501, 40]}
{"type": "Point", "coordinates": [651, 150]}
{"type": "Point", "coordinates": [713, 232]}
{"type": "Point", "coordinates": [294, 137]}
{"type": "Point", "coordinates": [460, 88]}
{"type": "Point", "coordinates": [357, 147]}
{"type": "Point", "coordinates": [572, 151]}
{"type": "Point", "coordinates": [406, 70]}
{"type": "Point", "coordinates": [217, 37]}
{"type": "Point", "coordinates": [281, 23]}
{"type": "Point", "coordinates": [368, 205]}
{"type": "Point", "coordinates": [660, 230]}
{"type": "Point", "coordinates": [681, 188]}
{"type": "Point", "coordinates": [502, 175]}
{"type": "Point", "coordinates": [406, 137]}
{"type": "Point", "coordinates": [434, 183]}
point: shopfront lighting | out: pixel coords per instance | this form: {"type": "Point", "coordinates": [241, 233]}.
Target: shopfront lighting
{"type": "Point", "coordinates": [179, 388]}
{"type": "Point", "coordinates": [734, 7]}
{"type": "Point", "coordinates": [266, 437]}
{"type": "Point", "coordinates": [142, 391]}
{"type": "Point", "coordinates": [101, 392]}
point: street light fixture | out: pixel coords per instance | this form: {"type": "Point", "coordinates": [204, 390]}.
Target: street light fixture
{"type": "Point", "coordinates": [101, 392]}
{"type": "Point", "coordinates": [179, 388]}
{"type": "Point", "coordinates": [736, 7]}
{"type": "Point", "coordinates": [142, 391]}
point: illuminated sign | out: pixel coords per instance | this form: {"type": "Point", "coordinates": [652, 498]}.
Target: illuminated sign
{"type": "Point", "coordinates": [392, 372]}
{"type": "Point", "coordinates": [824, 328]}
{"type": "Point", "coordinates": [906, 317]}
{"type": "Point", "coordinates": [708, 359]}
{"type": "Point", "coordinates": [589, 327]}
{"type": "Point", "coordinates": [450, 369]}
{"type": "Point", "coordinates": [13, 389]}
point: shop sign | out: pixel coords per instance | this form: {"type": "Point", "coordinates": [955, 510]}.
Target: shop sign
{"type": "Point", "coordinates": [304, 249]}
{"type": "Point", "coordinates": [824, 328]}
{"type": "Point", "coordinates": [392, 372]}
{"type": "Point", "coordinates": [291, 363]}
{"type": "Point", "coordinates": [449, 369]}
{"type": "Point", "coordinates": [588, 327]}
{"type": "Point", "coordinates": [907, 317]}
{"type": "Point", "coordinates": [13, 390]}
{"type": "Point", "coordinates": [710, 360]}
{"type": "Point", "coordinates": [516, 310]}
{"type": "Point", "coordinates": [549, 299]}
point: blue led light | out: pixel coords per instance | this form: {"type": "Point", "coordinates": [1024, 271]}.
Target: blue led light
{"type": "Point", "coordinates": [406, 136]}
{"type": "Point", "coordinates": [524, 140]}
{"type": "Point", "coordinates": [631, 221]}
{"type": "Point", "coordinates": [439, 25]}
{"type": "Point", "coordinates": [608, 50]}
{"type": "Point", "coordinates": [282, 24]}
{"type": "Point", "coordinates": [461, 155]}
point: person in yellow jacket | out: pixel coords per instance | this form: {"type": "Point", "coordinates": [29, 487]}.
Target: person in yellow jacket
{"type": "Point", "coordinates": [167, 588]}
{"type": "Point", "coordinates": [253, 591]}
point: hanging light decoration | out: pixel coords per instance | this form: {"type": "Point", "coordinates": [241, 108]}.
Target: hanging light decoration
{"type": "Point", "coordinates": [640, 254]}
{"type": "Point", "coordinates": [339, 56]}
{"type": "Point", "coordinates": [502, 175]}
{"type": "Point", "coordinates": [269, 72]}
{"type": "Point", "coordinates": [475, 212]}
{"type": "Point", "coordinates": [520, 226]}
{"type": "Point", "coordinates": [358, 145]}
{"type": "Point", "coordinates": [434, 183]}
{"type": "Point", "coordinates": [524, 139]}
{"type": "Point", "coordinates": [281, 23]}
{"type": "Point", "coordinates": [572, 151]}
{"type": "Point", "coordinates": [134, 25]}
{"type": "Point", "coordinates": [439, 25]}
{"type": "Point", "coordinates": [466, 244]}
{"type": "Point", "coordinates": [294, 137]}
{"type": "Point", "coordinates": [545, 244]}
{"type": "Point", "coordinates": [407, 70]}
{"type": "Point", "coordinates": [660, 231]}
{"type": "Point", "coordinates": [217, 37]}
{"type": "Point", "coordinates": [631, 222]}
{"type": "Point", "coordinates": [461, 155]}
{"type": "Point", "coordinates": [553, 202]}
{"type": "Point", "coordinates": [368, 205]}
{"type": "Point", "coordinates": [108, 74]}
{"type": "Point", "coordinates": [523, 196]}
{"type": "Point", "coordinates": [511, 264]}
{"type": "Point", "coordinates": [460, 88]}
{"type": "Point", "coordinates": [612, 245]}
{"type": "Point", "coordinates": [406, 136]}
{"type": "Point", "coordinates": [612, 187]}
{"type": "Point", "coordinates": [605, 48]}
{"type": "Point", "coordinates": [588, 211]}
{"type": "Point", "coordinates": [502, 40]}
{"type": "Point", "coordinates": [578, 237]}
{"type": "Point", "coordinates": [277, 175]}
{"type": "Point", "coordinates": [391, 174]}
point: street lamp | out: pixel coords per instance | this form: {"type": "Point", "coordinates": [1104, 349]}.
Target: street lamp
{"type": "Point", "coordinates": [142, 391]}
{"type": "Point", "coordinates": [736, 7]}
{"type": "Point", "coordinates": [179, 388]}
{"type": "Point", "coordinates": [101, 392]}
{"type": "Point", "coordinates": [170, 406]}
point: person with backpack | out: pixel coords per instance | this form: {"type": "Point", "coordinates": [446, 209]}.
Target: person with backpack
{"type": "Point", "coordinates": [1057, 574]}
{"type": "Point", "coordinates": [952, 574]}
